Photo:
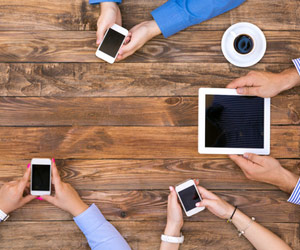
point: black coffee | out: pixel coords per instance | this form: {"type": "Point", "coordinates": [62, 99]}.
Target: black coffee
{"type": "Point", "coordinates": [243, 44]}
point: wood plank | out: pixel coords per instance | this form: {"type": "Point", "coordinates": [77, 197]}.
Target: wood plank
{"type": "Point", "coordinates": [139, 235]}
{"type": "Point", "coordinates": [152, 205]}
{"type": "Point", "coordinates": [120, 79]}
{"type": "Point", "coordinates": [141, 111]}
{"type": "Point", "coordinates": [146, 174]}
{"type": "Point", "coordinates": [124, 142]}
{"type": "Point", "coordinates": [72, 46]}
{"type": "Point", "coordinates": [79, 15]}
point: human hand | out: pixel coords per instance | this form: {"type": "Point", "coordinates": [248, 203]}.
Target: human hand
{"type": "Point", "coordinates": [265, 84]}
{"type": "Point", "coordinates": [175, 218]}
{"type": "Point", "coordinates": [65, 197]}
{"type": "Point", "coordinates": [11, 193]}
{"type": "Point", "coordinates": [110, 14]}
{"type": "Point", "coordinates": [214, 204]}
{"type": "Point", "coordinates": [137, 37]}
{"type": "Point", "coordinates": [266, 169]}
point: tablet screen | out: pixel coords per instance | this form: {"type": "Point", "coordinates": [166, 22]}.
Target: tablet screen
{"type": "Point", "coordinates": [233, 121]}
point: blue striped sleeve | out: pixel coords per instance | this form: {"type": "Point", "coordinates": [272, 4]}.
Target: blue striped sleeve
{"type": "Point", "coordinates": [295, 196]}
{"type": "Point", "coordinates": [100, 1]}
{"type": "Point", "coordinates": [297, 64]}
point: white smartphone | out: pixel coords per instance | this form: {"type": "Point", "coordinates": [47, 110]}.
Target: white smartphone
{"type": "Point", "coordinates": [111, 44]}
{"type": "Point", "coordinates": [40, 177]}
{"type": "Point", "coordinates": [188, 195]}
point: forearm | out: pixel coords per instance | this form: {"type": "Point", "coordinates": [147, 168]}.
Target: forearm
{"type": "Point", "coordinates": [260, 237]}
{"type": "Point", "coordinates": [290, 79]}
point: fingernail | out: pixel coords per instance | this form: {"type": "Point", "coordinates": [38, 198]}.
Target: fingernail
{"type": "Point", "coordinates": [39, 198]}
{"type": "Point", "coordinates": [197, 180]}
{"type": "Point", "coordinates": [240, 90]}
{"type": "Point", "coordinates": [28, 166]}
{"type": "Point", "coordinates": [246, 156]}
{"type": "Point", "coordinates": [197, 204]}
{"type": "Point", "coordinates": [53, 160]}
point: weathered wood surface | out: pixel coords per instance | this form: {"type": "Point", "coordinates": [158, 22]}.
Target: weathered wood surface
{"type": "Point", "coordinates": [141, 111]}
{"type": "Point", "coordinates": [221, 174]}
{"type": "Point", "coordinates": [79, 15]}
{"type": "Point", "coordinates": [124, 142]}
{"type": "Point", "coordinates": [192, 47]}
{"type": "Point", "coordinates": [152, 205]}
{"type": "Point", "coordinates": [120, 79]}
{"type": "Point", "coordinates": [140, 235]}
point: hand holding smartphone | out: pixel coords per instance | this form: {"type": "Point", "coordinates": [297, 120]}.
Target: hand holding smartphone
{"type": "Point", "coordinates": [111, 44]}
{"type": "Point", "coordinates": [188, 195]}
{"type": "Point", "coordinates": [40, 177]}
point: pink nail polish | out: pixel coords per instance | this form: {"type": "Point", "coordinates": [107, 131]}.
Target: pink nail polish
{"type": "Point", "coordinates": [39, 198]}
{"type": "Point", "coordinates": [53, 160]}
{"type": "Point", "coordinates": [28, 166]}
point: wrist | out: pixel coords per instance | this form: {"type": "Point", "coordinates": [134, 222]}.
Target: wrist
{"type": "Point", "coordinates": [289, 79]}
{"type": "Point", "coordinates": [152, 28]}
{"type": "Point", "coordinates": [106, 5]}
{"type": "Point", "coordinates": [79, 209]}
{"type": "Point", "coordinates": [288, 181]}
{"type": "Point", "coordinates": [173, 229]}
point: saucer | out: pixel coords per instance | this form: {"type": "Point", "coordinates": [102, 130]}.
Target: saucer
{"type": "Point", "coordinates": [246, 60]}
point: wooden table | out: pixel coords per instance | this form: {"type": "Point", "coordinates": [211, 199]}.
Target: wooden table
{"type": "Point", "coordinates": [122, 133]}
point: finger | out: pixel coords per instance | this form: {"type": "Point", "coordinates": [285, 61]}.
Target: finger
{"type": "Point", "coordinates": [25, 178]}
{"type": "Point", "coordinates": [240, 82]}
{"type": "Point", "coordinates": [100, 35]}
{"type": "Point", "coordinates": [49, 198]}
{"type": "Point", "coordinates": [27, 199]}
{"type": "Point", "coordinates": [255, 158]}
{"type": "Point", "coordinates": [55, 174]}
{"type": "Point", "coordinates": [205, 194]}
{"type": "Point", "coordinates": [242, 162]}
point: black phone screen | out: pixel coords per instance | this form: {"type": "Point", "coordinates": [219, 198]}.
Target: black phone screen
{"type": "Point", "coordinates": [189, 198]}
{"type": "Point", "coordinates": [234, 121]}
{"type": "Point", "coordinates": [112, 43]}
{"type": "Point", "coordinates": [40, 177]}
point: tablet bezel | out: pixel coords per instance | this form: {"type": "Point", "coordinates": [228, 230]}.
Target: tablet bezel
{"type": "Point", "coordinates": [201, 125]}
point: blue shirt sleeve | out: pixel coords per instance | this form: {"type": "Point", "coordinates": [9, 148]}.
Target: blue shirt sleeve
{"type": "Point", "coordinates": [295, 196]}
{"type": "Point", "coordinates": [98, 231]}
{"type": "Point", "coordinates": [100, 1]}
{"type": "Point", "coordinates": [297, 64]}
{"type": "Point", "coordinates": [176, 15]}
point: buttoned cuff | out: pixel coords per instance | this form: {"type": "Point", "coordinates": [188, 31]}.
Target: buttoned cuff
{"type": "Point", "coordinates": [295, 196]}
{"type": "Point", "coordinates": [101, 1]}
{"type": "Point", "coordinates": [297, 64]}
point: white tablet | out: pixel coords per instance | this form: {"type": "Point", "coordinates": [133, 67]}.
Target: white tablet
{"type": "Point", "coordinates": [230, 123]}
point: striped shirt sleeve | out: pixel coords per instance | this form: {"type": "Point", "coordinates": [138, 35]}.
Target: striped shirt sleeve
{"type": "Point", "coordinates": [295, 196]}
{"type": "Point", "coordinates": [297, 64]}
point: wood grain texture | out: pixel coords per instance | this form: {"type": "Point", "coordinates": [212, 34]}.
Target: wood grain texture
{"type": "Point", "coordinates": [79, 15]}
{"type": "Point", "coordinates": [141, 111]}
{"type": "Point", "coordinates": [152, 205]}
{"type": "Point", "coordinates": [140, 235]}
{"type": "Point", "coordinates": [120, 79]}
{"type": "Point", "coordinates": [155, 174]}
{"type": "Point", "coordinates": [192, 47]}
{"type": "Point", "coordinates": [124, 142]}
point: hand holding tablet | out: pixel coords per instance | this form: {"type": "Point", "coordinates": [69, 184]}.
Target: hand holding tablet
{"type": "Point", "coordinates": [230, 123]}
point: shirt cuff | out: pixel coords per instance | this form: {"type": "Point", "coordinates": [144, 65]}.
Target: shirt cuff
{"type": "Point", "coordinates": [170, 18]}
{"type": "Point", "coordinates": [295, 196]}
{"type": "Point", "coordinates": [101, 1]}
{"type": "Point", "coordinates": [90, 219]}
{"type": "Point", "coordinates": [297, 64]}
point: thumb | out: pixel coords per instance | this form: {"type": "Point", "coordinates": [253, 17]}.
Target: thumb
{"type": "Point", "coordinates": [255, 158]}
{"type": "Point", "coordinates": [100, 35]}
{"type": "Point", "coordinates": [204, 203]}
{"type": "Point", "coordinates": [27, 199]}
{"type": "Point", "coordinates": [247, 90]}
{"type": "Point", "coordinates": [49, 198]}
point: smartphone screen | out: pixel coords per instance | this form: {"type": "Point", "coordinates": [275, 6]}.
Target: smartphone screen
{"type": "Point", "coordinates": [189, 198]}
{"type": "Point", "coordinates": [40, 177]}
{"type": "Point", "coordinates": [112, 43]}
